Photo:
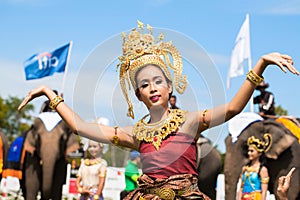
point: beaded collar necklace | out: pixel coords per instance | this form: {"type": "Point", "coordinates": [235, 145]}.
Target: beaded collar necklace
{"type": "Point", "coordinates": [156, 132]}
{"type": "Point", "coordinates": [89, 162]}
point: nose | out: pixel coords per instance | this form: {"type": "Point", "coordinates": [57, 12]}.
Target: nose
{"type": "Point", "coordinates": [152, 87]}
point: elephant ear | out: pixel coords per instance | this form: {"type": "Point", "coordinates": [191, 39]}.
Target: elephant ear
{"type": "Point", "coordinates": [281, 138]}
{"type": "Point", "coordinates": [73, 140]}
{"type": "Point", "coordinates": [30, 144]}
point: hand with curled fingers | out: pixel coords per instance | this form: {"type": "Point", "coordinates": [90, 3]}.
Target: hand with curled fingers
{"type": "Point", "coordinates": [37, 92]}
{"type": "Point", "coordinates": [281, 60]}
{"type": "Point", "coordinates": [284, 184]}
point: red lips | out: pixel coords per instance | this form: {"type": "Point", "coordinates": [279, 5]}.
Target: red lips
{"type": "Point", "coordinates": [155, 98]}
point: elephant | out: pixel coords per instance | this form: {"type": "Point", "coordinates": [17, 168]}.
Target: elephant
{"type": "Point", "coordinates": [45, 164]}
{"type": "Point", "coordinates": [209, 167]}
{"type": "Point", "coordinates": [283, 154]}
{"type": "Point", "coordinates": [3, 151]}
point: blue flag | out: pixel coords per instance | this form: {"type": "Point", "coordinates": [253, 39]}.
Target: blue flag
{"type": "Point", "coordinates": [47, 63]}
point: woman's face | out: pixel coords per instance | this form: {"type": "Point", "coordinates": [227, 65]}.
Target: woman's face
{"type": "Point", "coordinates": [94, 148]}
{"type": "Point", "coordinates": [153, 87]}
{"type": "Point", "coordinates": [253, 153]}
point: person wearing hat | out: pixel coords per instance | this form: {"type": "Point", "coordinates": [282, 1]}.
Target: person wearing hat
{"type": "Point", "coordinates": [131, 173]}
{"type": "Point", "coordinates": [265, 100]}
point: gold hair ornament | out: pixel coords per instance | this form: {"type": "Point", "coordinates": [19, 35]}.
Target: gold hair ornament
{"type": "Point", "coordinates": [140, 49]}
{"type": "Point", "coordinates": [259, 145]}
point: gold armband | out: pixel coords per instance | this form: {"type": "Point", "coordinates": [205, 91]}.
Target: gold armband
{"type": "Point", "coordinates": [203, 118]}
{"type": "Point", "coordinates": [254, 78]}
{"type": "Point", "coordinates": [265, 180]}
{"type": "Point", "coordinates": [55, 101]}
{"type": "Point", "coordinates": [116, 138]}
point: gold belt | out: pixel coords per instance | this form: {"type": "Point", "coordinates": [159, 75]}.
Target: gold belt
{"type": "Point", "coordinates": [168, 193]}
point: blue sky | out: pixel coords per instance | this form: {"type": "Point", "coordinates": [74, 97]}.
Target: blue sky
{"type": "Point", "coordinates": [35, 26]}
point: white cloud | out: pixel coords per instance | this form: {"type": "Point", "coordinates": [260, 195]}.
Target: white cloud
{"type": "Point", "coordinates": [291, 7]}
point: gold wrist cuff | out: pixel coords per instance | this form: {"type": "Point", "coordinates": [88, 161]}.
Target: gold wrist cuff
{"type": "Point", "coordinates": [79, 190]}
{"type": "Point", "coordinates": [254, 78]}
{"type": "Point", "coordinates": [55, 101]}
{"type": "Point", "coordinates": [96, 197]}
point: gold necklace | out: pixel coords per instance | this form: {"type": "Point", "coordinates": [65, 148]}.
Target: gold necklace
{"type": "Point", "coordinates": [89, 162]}
{"type": "Point", "coordinates": [156, 132]}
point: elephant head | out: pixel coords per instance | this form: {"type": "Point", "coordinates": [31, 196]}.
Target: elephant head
{"type": "Point", "coordinates": [46, 163]}
{"type": "Point", "coordinates": [282, 156]}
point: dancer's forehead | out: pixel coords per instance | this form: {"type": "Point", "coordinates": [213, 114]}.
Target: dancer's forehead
{"type": "Point", "coordinates": [148, 73]}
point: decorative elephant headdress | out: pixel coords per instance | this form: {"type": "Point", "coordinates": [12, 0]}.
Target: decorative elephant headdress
{"type": "Point", "coordinates": [140, 49]}
{"type": "Point", "coordinates": [260, 145]}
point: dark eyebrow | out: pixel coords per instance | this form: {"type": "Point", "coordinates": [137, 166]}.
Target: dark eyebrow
{"type": "Point", "coordinates": [156, 77]}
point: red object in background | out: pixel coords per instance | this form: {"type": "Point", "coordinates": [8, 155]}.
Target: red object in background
{"type": "Point", "coordinates": [72, 186]}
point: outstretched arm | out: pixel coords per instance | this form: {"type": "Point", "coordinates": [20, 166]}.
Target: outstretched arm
{"type": "Point", "coordinates": [93, 131]}
{"type": "Point", "coordinates": [225, 112]}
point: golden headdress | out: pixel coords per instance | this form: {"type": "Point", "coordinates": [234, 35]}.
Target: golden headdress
{"type": "Point", "coordinates": [140, 49]}
{"type": "Point", "coordinates": [259, 145]}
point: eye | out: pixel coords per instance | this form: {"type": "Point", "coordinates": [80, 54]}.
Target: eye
{"type": "Point", "coordinates": [144, 85]}
{"type": "Point", "coordinates": [159, 81]}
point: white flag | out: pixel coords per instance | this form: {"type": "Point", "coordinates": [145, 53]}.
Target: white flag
{"type": "Point", "coordinates": [240, 52]}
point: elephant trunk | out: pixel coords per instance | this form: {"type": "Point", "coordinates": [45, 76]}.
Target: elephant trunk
{"type": "Point", "coordinates": [48, 166]}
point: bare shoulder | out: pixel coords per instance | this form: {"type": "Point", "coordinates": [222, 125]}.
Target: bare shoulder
{"type": "Point", "coordinates": [263, 171]}
{"type": "Point", "coordinates": [193, 116]}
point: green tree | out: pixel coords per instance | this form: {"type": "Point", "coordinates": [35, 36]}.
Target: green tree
{"type": "Point", "coordinates": [14, 122]}
{"type": "Point", "coordinates": [280, 111]}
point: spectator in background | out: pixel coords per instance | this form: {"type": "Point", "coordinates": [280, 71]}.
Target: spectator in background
{"type": "Point", "coordinates": [265, 100]}
{"type": "Point", "coordinates": [255, 176]}
{"type": "Point", "coordinates": [92, 173]}
{"type": "Point", "coordinates": [131, 173]}
{"type": "Point", "coordinates": [284, 184]}
{"type": "Point", "coordinates": [172, 102]}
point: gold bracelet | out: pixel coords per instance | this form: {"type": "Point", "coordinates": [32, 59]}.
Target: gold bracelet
{"type": "Point", "coordinates": [254, 78]}
{"type": "Point", "coordinates": [116, 139]}
{"type": "Point", "coordinates": [96, 197]}
{"type": "Point", "coordinates": [79, 190]}
{"type": "Point", "coordinates": [55, 101]}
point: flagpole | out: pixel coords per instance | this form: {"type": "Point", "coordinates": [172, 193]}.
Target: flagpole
{"type": "Point", "coordinates": [250, 66]}
{"type": "Point", "coordinates": [66, 68]}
